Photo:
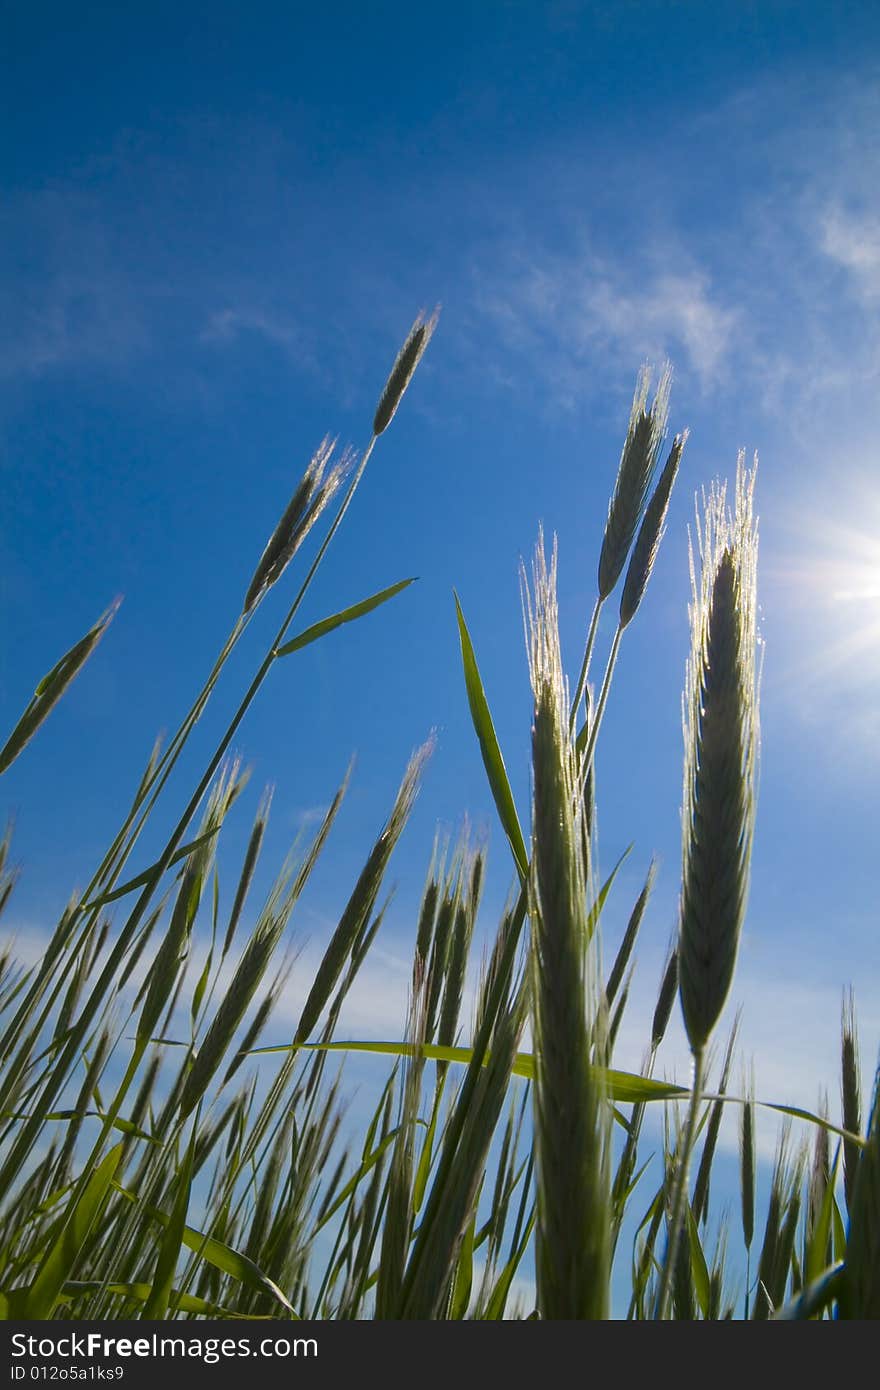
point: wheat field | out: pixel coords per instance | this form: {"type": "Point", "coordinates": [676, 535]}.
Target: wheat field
{"type": "Point", "coordinates": [149, 1170]}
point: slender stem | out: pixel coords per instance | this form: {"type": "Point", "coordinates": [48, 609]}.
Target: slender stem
{"type": "Point", "coordinates": [166, 762]}
{"type": "Point", "coordinates": [679, 1191]}
{"type": "Point", "coordinates": [585, 664]}
{"type": "Point", "coordinates": [263, 671]}
{"type": "Point", "coordinates": [586, 739]}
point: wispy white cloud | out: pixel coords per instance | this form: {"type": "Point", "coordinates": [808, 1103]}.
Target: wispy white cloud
{"type": "Point", "coordinates": [672, 310]}
{"type": "Point", "coordinates": [304, 816]}
{"type": "Point", "coordinates": [226, 325]}
{"type": "Point", "coordinates": [88, 281]}
{"type": "Point", "coordinates": [25, 942]}
{"type": "Point", "coordinates": [853, 242]}
{"type": "Point", "coordinates": [566, 311]}
{"type": "Point", "coordinates": [731, 270]}
{"type": "Point", "coordinates": [70, 299]}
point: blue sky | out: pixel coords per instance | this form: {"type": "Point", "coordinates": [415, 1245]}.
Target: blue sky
{"type": "Point", "coordinates": [217, 227]}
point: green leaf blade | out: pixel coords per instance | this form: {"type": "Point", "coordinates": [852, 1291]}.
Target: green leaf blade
{"type": "Point", "coordinates": [490, 749]}
{"type": "Point", "coordinates": [59, 1262]}
{"type": "Point", "coordinates": [345, 615]}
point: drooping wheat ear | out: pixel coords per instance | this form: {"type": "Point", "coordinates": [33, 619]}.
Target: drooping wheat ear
{"type": "Point", "coordinates": [459, 947]}
{"type": "Point", "coordinates": [571, 1122]}
{"type": "Point", "coordinates": [252, 854]}
{"type": "Point", "coordinates": [647, 544]}
{"type": "Point", "coordinates": [721, 754]}
{"type": "Point", "coordinates": [167, 965]}
{"type": "Point", "coordinates": [53, 686]}
{"type": "Point", "coordinates": [401, 373]}
{"type": "Point", "coordinates": [450, 885]}
{"type": "Point", "coordinates": [634, 475]}
{"type": "Point", "coordinates": [261, 1017]}
{"type": "Point", "coordinates": [851, 1094]}
{"type": "Point", "coordinates": [747, 1161]}
{"type": "Point", "coordinates": [249, 973]}
{"type": "Point", "coordinates": [665, 999]}
{"type": "Point", "coordinates": [747, 1165]}
{"type": "Point", "coordinates": [314, 490]}
{"type": "Point", "coordinates": [358, 910]}
{"type": "Point", "coordinates": [783, 1210]}
{"type": "Point", "coordinates": [427, 918]}
{"type": "Point", "coordinates": [700, 1199]}
{"type": "Point", "coordinates": [8, 877]}
{"type": "Point", "coordinates": [625, 950]}
{"type": "Point", "coordinates": [440, 948]}
{"type": "Point", "coordinates": [5, 845]}
{"type": "Point", "coordinates": [820, 1176]}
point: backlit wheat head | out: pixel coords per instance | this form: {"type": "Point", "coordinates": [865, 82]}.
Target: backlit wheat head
{"type": "Point", "coordinates": [721, 752]}
{"type": "Point", "coordinates": [318, 485]}
{"type": "Point", "coordinates": [572, 1248]}
{"type": "Point", "coordinates": [644, 436]}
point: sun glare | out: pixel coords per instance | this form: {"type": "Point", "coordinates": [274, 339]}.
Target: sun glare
{"type": "Point", "coordinates": [823, 606]}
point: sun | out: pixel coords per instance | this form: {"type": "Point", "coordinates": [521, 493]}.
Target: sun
{"type": "Point", "coordinates": [821, 597]}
